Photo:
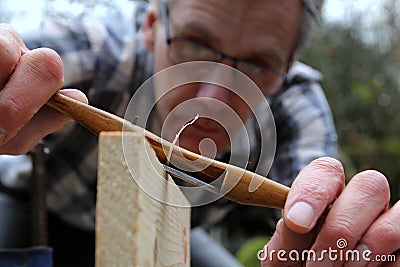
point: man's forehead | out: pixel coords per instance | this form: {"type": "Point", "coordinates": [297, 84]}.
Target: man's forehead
{"type": "Point", "coordinates": [246, 4]}
{"type": "Point", "coordinates": [234, 10]}
{"type": "Point", "coordinates": [257, 21]}
{"type": "Point", "coordinates": [313, 7]}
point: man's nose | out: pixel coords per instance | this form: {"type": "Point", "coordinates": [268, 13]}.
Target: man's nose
{"type": "Point", "coordinates": [210, 90]}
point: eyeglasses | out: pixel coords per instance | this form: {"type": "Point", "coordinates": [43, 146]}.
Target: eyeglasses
{"type": "Point", "coordinates": [183, 49]}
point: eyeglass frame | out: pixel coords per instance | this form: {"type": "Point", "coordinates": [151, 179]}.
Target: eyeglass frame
{"type": "Point", "coordinates": [164, 19]}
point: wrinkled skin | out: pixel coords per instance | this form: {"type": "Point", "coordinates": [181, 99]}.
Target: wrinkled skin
{"type": "Point", "coordinates": [27, 80]}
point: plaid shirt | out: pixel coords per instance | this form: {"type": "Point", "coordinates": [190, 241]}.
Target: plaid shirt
{"type": "Point", "coordinates": [105, 58]}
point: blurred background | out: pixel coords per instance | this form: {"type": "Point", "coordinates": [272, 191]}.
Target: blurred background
{"type": "Point", "coordinates": [357, 48]}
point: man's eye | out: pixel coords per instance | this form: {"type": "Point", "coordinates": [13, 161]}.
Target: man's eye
{"type": "Point", "coordinates": [252, 68]}
{"type": "Point", "coordinates": [197, 51]}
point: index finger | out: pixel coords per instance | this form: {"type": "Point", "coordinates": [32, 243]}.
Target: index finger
{"type": "Point", "coordinates": [314, 189]}
{"type": "Point", "coordinates": [11, 49]}
{"type": "Point", "coordinates": [38, 75]}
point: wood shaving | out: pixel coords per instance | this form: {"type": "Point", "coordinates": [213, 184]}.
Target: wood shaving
{"type": "Point", "coordinates": [177, 137]}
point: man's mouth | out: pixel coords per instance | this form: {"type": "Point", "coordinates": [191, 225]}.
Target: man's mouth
{"type": "Point", "coordinates": [208, 126]}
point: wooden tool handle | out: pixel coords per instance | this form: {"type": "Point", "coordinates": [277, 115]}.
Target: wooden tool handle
{"type": "Point", "coordinates": [239, 185]}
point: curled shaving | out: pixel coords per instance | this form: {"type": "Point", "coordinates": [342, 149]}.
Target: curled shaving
{"type": "Point", "coordinates": [177, 137]}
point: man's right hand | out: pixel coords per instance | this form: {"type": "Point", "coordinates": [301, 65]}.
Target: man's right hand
{"type": "Point", "coordinates": [28, 78]}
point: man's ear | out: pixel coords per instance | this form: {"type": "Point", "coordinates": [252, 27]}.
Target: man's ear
{"type": "Point", "coordinates": [149, 26]}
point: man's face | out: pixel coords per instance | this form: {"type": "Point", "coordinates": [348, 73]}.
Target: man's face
{"type": "Point", "coordinates": [262, 32]}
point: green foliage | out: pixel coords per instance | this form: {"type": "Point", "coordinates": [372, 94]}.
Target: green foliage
{"type": "Point", "coordinates": [247, 253]}
{"type": "Point", "coordinates": [362, 85]}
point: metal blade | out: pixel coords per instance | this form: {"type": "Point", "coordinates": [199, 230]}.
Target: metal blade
{"type": "Point", "coordinates": [190, 179]}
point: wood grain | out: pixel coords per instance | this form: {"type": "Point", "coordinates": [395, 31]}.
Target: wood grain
{"type": "Point", "coordinates": [133, 227]}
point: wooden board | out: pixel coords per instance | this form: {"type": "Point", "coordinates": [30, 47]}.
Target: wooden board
{"type": "Point", "coordinates": [133, 227]}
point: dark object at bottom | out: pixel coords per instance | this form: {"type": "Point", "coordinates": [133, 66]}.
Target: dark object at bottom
{"type": "Point", "coordinates": [26, 257]}
{"type": "Point", "coordinates": [206, 252]}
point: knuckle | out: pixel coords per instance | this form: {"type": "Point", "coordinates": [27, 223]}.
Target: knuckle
{"type": "Point", "coordinates": [10, 34]}
{"type": "Point", "coordinates": [16, 147]}
{"type": "Point", "coordinates": [17, 150]}
{"type": "Point", "coordinates": [323, 171]}
{"type": "Point", "coordinates": [6, 28]}
{"type": "Point", "coordinates": [372, 184]}
{"type": "Point", "coordinates": [316, 191]}
{"type": "Point", "coordinates": [278, 234]}
{"type": "Point", "coordinates": [341, 227]}
{"type": "Point", "coordinates": [46, 65]}
{"type": "Point", "coordinates": [12, 109]}
{"type": "Point", "coordinates": [329, 165]}
{"type": "Point", "coordinates": [319, 182]}
{"type": "Point", "coordinates": [387, 232]}
{"type": "Point", "coordinates": [9, 55]}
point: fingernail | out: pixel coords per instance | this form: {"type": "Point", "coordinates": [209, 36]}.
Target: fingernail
{"type": "Point", "coordinates": [324, 263]}
{"type": "Point", "coordinates": [301, 214]}
{"type": "Point", "coordinates": [363, 257]}
{"type": "Point", "coordinates": [321, 259]}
